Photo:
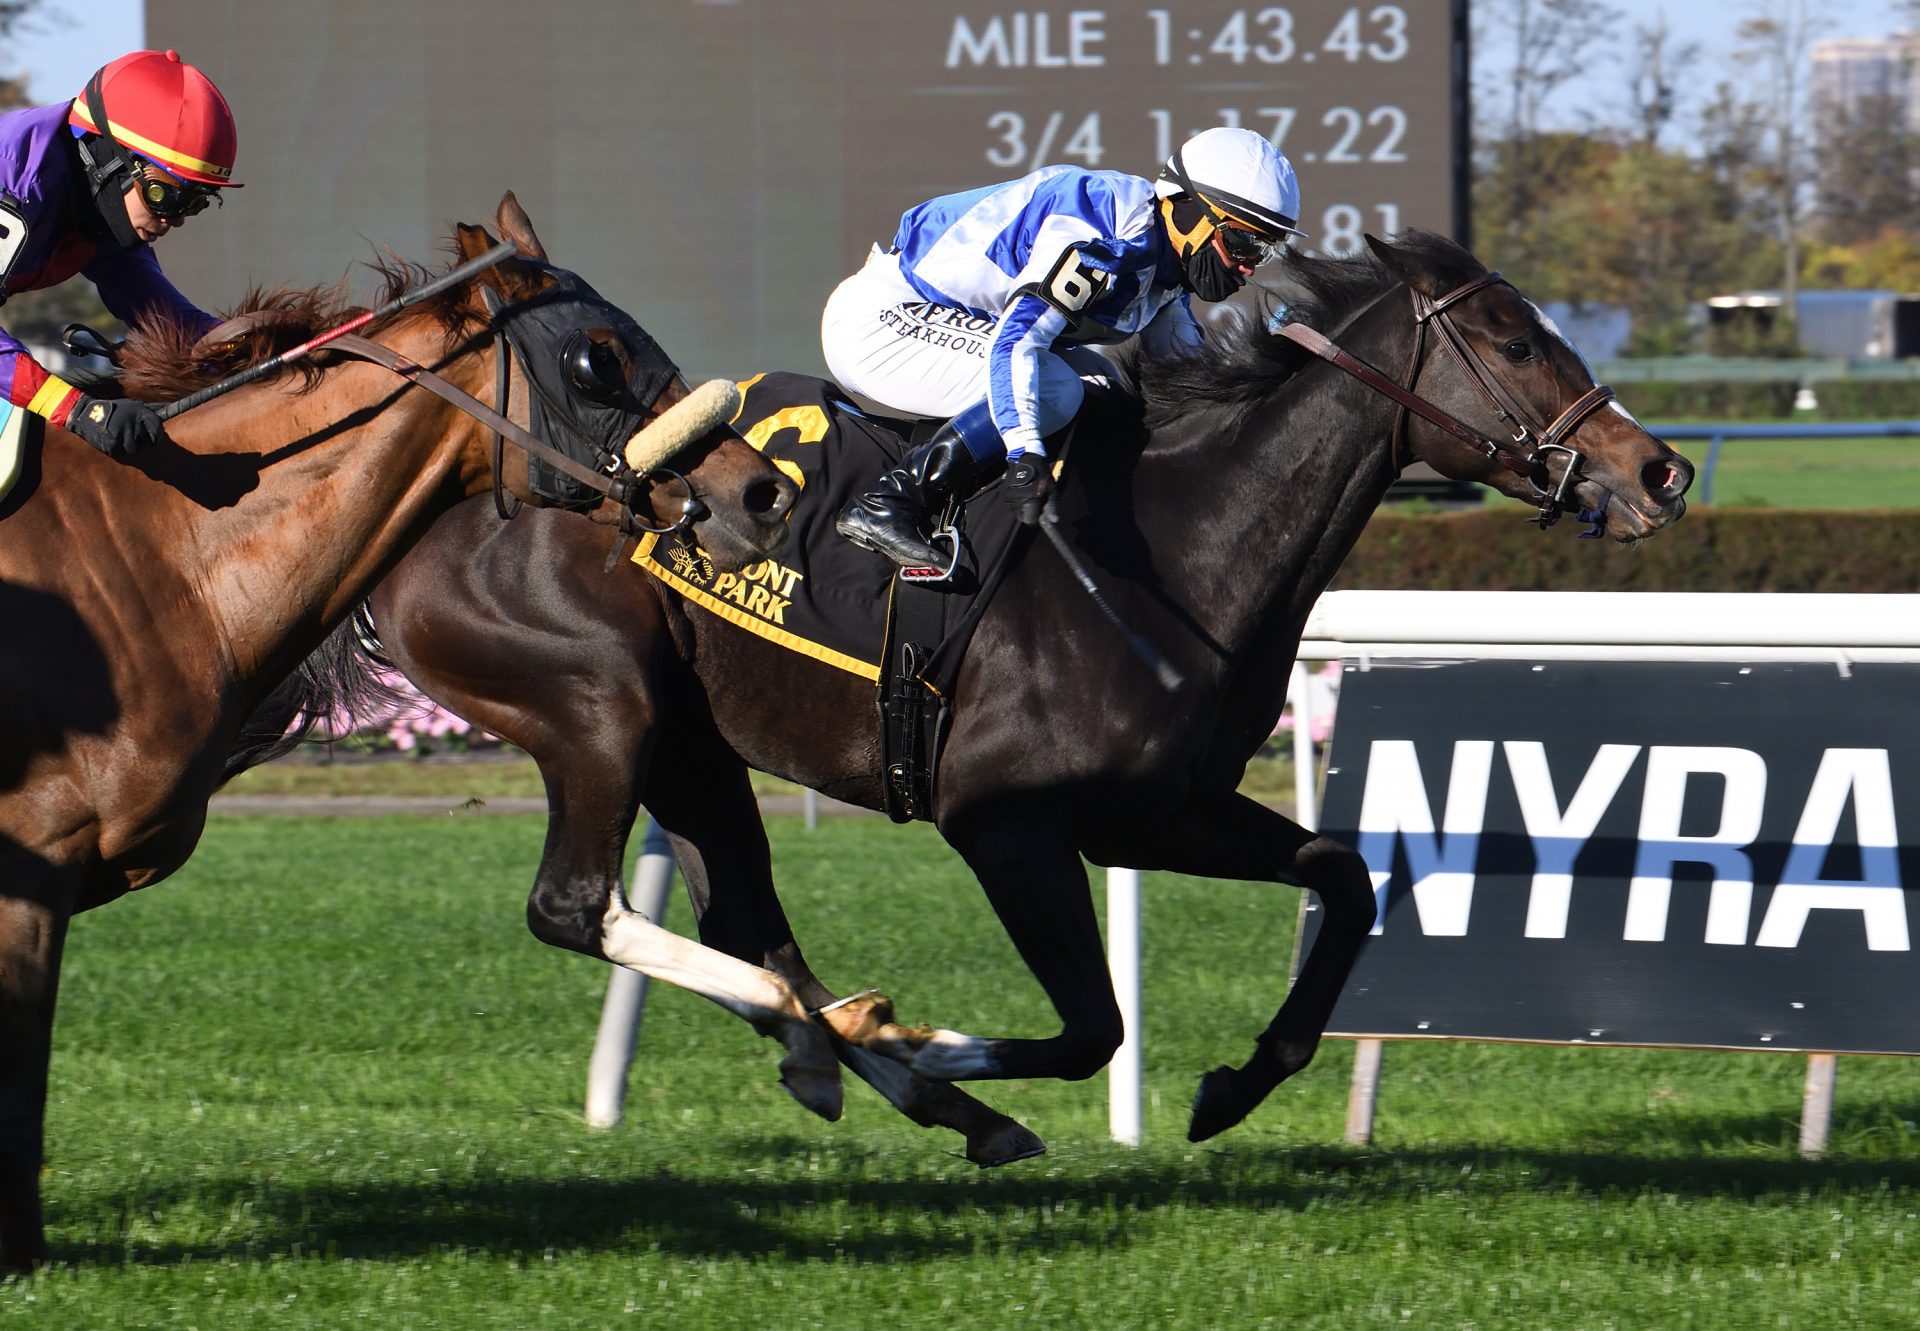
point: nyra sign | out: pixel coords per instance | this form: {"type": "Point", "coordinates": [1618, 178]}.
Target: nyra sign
{"type": "Point", "coordinates": [1666, 854]}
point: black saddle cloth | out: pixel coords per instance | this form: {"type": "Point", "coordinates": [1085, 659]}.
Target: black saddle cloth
{"type": "Point", "coordinates": [822, 595]}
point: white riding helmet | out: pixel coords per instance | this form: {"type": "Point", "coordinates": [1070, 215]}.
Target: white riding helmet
{"type": "Point", "coordinates": [1237, 174]}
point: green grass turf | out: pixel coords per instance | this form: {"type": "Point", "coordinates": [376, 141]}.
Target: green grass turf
{"type": "Point", "coordinates": [511, 773]}
{"type": "Point", "coordinates": [1812, 473]}
{"type": "Point", "coordinates": [324, 1078]}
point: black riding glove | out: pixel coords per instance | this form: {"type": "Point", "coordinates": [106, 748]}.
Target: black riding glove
{"type": "Point", "coordinates": [1029, 485]}
{"type": "Point", "coordinates": [117, 427]}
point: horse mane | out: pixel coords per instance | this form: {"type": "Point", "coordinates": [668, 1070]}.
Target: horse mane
{"type": "Point", "coordinates": [158, 362]}
{"type": "Point", "coordinates": [1243, 362]}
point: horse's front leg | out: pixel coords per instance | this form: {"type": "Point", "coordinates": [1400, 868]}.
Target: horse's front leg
{"type": "Point", "coordinates": [1231, 836]}
{"type": "Point", "coordinates": [721, 848]}
{"type": "Point", "coordinates": [33, 930]}
{"type": "Point", "coordinates": [1038, 887]}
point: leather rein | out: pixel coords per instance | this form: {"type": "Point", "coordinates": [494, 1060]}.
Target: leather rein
{"type": "Point", "coordinates": [617, 481]}
{"type": "Point", "coordinates": [1525, 454]}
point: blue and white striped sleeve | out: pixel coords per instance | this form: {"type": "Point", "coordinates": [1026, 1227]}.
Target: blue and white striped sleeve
{"type": "Point", "coordinates": [1028, 326]}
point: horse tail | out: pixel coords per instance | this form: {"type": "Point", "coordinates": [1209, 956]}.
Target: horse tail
{"type": "Point", "coordinates": [344, 683]}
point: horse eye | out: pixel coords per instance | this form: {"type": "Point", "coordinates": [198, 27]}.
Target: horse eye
{"type": "Point", "coordinates": [593, 370]}
{"type": "Point", "coordinates": [1518, 351]}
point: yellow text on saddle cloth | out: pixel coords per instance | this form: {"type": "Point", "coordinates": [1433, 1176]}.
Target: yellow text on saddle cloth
{"type": "Point", "coordinates": [757, 598]}
{"type": "Point", "coordinates": [763, 590]}
{"type": "Point", "coordinates": [771, 599]}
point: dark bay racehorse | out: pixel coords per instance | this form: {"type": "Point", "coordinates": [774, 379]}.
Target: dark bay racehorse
{"type": "Point", "coordinates": [153, 605]}
{"type": "Point", "coordinates": [1212, 531]}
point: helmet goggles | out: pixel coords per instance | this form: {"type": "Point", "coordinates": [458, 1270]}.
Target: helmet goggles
{"type": "Point", "coordinates": [167, 196]}
{"type": "Point", "coordinates": [1244, 247]}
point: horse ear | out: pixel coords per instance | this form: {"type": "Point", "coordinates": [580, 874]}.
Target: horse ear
{"type": "Point", "coordinates": [517, 227]}
{"type": "Point", "coordinates": [1404, 266]}
{"type": "Point", "coordinates": [508, 280]}
{"type": "Point", "coordinates": [472, 241]}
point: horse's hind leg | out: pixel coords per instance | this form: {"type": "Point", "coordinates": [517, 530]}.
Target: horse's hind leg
{"type": "Point", "coordinates": [32, 935]}
{"type": "Point", "coordinates": [721, 847]}
{"type": "Point", "coordinates": [1238, 838]}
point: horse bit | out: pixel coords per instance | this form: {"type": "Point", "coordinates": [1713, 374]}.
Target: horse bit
{"type": "Point", "coordinates": [1527, 453]}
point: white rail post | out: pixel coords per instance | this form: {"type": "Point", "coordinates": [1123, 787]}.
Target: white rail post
{"type": "Point", "coordinates": [1363, 1090]}
{"type": "Point", "coordinates": [1306, 791]}
{"type": "Point", "coordinates": [1816, 1105]}
{"type": "Point", "coordinates": [626, 997]}
{"type": "Point", "coordinates": [1123, 961]}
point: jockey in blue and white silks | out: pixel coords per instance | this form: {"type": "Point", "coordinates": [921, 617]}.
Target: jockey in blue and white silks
{"type": "Point", "coordinates": [985, 309]}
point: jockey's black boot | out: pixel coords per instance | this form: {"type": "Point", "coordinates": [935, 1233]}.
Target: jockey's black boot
{"type": "Point", "coordinates": [896, 516]}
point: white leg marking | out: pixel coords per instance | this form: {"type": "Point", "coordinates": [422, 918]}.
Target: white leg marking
{"type": "Point", "coordinates": [632, 940]}
{"type": "Point", "coordinates": [951, 1056]}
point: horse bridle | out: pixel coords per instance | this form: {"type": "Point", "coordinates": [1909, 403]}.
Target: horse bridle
{"type": "Point", "coordinates": [617, 474]}
{"type": "Point", "coordinates": [614, 479]}
{"type": "Point", "coordinates": [1527, 452]}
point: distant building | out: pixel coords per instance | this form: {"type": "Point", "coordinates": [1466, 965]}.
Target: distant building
{"type": "Point", "coordinates": [1850, 70]}
{"type": "Point", "coordinates": [1869, 325]}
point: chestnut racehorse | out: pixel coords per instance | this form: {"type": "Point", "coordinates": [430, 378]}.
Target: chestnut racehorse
{"type": "Point", "coordinates": [1212, 530]}
{"type": "Point", "coordinates": [151, 606]}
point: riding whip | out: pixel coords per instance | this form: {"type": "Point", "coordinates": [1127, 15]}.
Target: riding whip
{"type": "Point", "coordinates": [469, 269]}
{"type": "Point", "coordinates": [1170, 679]}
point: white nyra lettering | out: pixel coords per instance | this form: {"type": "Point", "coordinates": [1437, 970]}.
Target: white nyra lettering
{"type": "Point", "coordinates": [1394, 811]}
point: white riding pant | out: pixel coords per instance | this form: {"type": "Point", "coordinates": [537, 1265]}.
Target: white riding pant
{"type": "Point", "coordinates": [886, 341]}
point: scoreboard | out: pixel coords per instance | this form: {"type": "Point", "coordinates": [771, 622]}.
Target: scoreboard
{"type": "Point", "coordinates": [1361, 97]}
{"type": "Point", "coordinates": [717, 166]}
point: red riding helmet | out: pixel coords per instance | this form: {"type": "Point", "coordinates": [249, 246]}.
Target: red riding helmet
{"type": "Point", "coordinates": [164, 109]}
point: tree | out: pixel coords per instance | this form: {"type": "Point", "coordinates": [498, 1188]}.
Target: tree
{"type": "Point", "coordinates": [1868, 174]}
{"type": "Point", "coordinates": [1888, 260]}
{"type": "Point", "coordinates": [13, 91]}
{"type": "Point", "coordinates": [1657, 67]}
{"type": "Point", "coordinates": [1528, 50]}
{"type": "Point", "coordinates": [1776, 44]}
{"type": "Point", "coordinates": [1631, 225]}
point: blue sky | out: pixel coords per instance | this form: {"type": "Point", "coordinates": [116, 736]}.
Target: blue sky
{"type": "Point", "coordinates": [68, 45]}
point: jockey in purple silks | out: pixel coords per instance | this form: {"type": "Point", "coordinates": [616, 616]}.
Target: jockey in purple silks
{"type": "Point", "coordinates": [86, 187]}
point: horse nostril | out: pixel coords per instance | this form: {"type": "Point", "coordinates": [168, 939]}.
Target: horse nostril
{"type": "Point", "coordinates": [1667, 478]}
{"type": "Point", "coordinates": [768, 498]}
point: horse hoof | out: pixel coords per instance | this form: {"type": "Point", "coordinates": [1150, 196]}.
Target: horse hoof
{"type": "Point", "coordinates": [810, 1072]}
{"type": "Point", "coordinates": [816, 1091]}
{"type": "Point", "coordinates": [1217, 1106]}
{"type": "Point", "coordinates": [1005, 1145]}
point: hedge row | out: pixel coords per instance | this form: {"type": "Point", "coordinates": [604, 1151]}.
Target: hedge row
{"type": "Point", "coordinates": [1710, 400]}
{"type": "Point", "coordinates": [1869, 399]}
{"type": "Point", "coordinates": [1709, 550]}
{"type": "Point", "coordinates": [1772, 399]}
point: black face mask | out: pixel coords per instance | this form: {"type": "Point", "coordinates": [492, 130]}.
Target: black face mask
{"type": "Point", "coordinates": [1208, 276]}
